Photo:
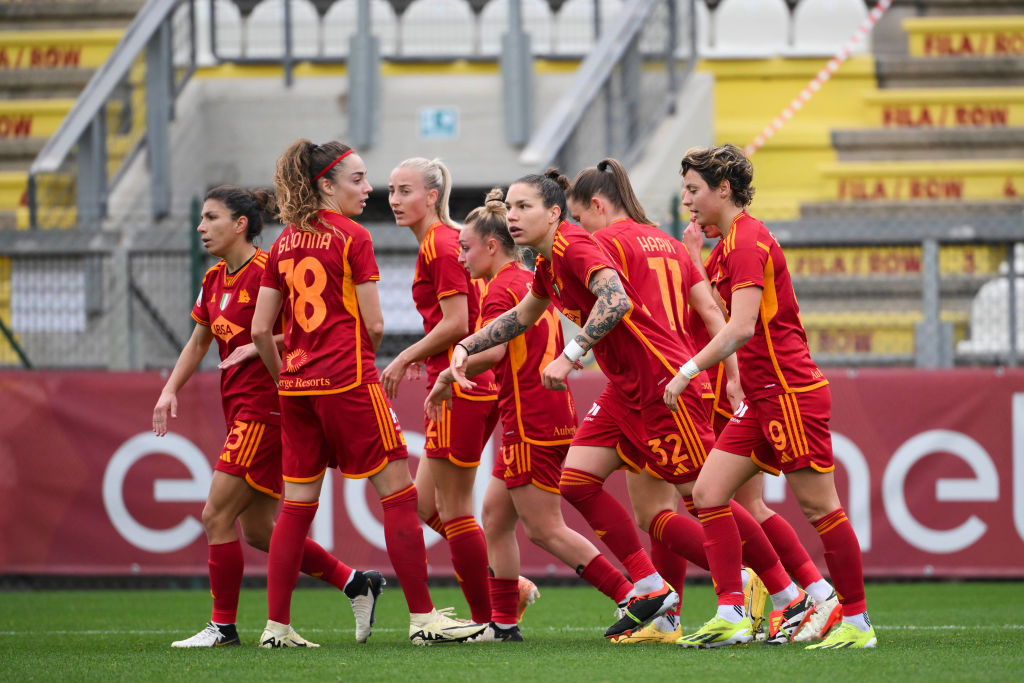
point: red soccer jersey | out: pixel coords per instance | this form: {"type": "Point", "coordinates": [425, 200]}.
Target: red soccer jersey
{"type": "Point", "coordinates": [658, 268]}
{"type": "Point", "coordinates": [638, 355]}
{"type": "Point", "coordinates": [438, 276]}
{"type": "Point", "coordinates": [529, 412]}
{"type": "Point", "coordinates": [225, 305]}
{"type": "Point", "coordinates": [327, 348]}
{"type": "Point", "coordinates": [776, 360]}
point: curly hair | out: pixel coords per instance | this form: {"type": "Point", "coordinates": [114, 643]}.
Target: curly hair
{"type": "Point", "coordinates": [295, 176]}
{"type": "Point", "coordinates": [722, 162]}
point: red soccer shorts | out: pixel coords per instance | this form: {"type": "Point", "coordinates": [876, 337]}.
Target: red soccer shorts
{"type": "Point", "coordinates": [462, 432]}
{"type": "Point", "coordinates": [523, 463]}
{"type": "Point", "coordinates": [356, 431]}
{"type": "Point", "coordinates": [670, 445]}
{"type": "Point", "coordinates": [783, 433]}
{"type": "Point", "coordinates": [252, 452]}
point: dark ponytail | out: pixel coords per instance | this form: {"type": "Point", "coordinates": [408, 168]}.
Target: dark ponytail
{"type": "Point", "coordinates": [551, 186]}
{"type": "Point", "coordinates": [610, 180]}
{"type": "Point", "coordinates": [253, 204]}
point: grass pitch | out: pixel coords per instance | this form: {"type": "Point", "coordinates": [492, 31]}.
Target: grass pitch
{"type": "Point", "coordinates": [928, 631]}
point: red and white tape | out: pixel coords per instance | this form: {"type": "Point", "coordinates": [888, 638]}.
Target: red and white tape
{"type": "Point", "coordinates": [820, 79]}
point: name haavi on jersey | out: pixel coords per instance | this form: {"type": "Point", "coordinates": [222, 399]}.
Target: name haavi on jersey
{"type": "Point", "coordinates": [655, 244]}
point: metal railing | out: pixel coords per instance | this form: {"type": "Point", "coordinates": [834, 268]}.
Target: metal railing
{"type": "Point", "coordinates": [127, 103]}
{"type": "Point", "coordinates": [623, 89]}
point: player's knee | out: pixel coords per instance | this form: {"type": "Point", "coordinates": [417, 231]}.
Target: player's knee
{"type": "Point", "coordinates": [257, 538]}
{"type": "Point", "coordinates": [215, 521]}
{"type": "Point", "coordinates": [705, 496]}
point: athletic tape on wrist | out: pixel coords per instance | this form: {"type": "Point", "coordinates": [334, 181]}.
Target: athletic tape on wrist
{"type": "Point", "coordinates": [573, 351]}
{"type": "Point", "coordinates": [690, 369]}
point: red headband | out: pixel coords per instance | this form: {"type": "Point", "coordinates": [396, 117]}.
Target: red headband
{"type": "Point", "coordinates": [329, 166]}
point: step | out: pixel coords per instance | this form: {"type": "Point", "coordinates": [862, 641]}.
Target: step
{"type": "Point", "coordinates": [66, 10]}
{"type": "Point", "coordinates": [895, 71]}
{"type": "Point", "coordinates": [43, 50]}
{"type": "Point", "coordinates": [890, 261]}
{"type": "Point", "coordinates": [975, 107]}
{"type": "Point", "coordinates": [906, 144]}
{"type": "Point", "coordinates": [868, 334]}
{"type": "Point", "coordinates": [970, 37]}
{"type": "Point", "coordinates": [35, 83]}
{"type": "Point", "coordinates": [26, 118]}
{"type": "Point", "coordinates": [1009, 211]}
{"type": "Point", "coordinates": [17, 154]}
{"type": "Point", "coordinates": [950, 181]}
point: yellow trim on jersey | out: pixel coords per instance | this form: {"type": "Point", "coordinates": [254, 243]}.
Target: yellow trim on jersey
{"type": "Point", "coordinates": [270, 492]}
{"type": "Point", "coordinates": [622, 258]}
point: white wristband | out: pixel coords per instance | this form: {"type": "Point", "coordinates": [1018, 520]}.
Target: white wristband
{"type": "Point", "coordinates": [573, 351]}
{"type": "Point", "coordinates": [690, 369]}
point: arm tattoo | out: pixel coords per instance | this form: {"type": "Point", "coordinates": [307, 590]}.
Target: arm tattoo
{"type": "Point", "coordinates": [505, 327]}
{"type": "Point", "coordinates": [611, 305]}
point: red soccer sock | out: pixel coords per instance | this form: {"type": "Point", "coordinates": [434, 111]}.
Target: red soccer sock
{"type": "Point", "coordinates": [609, 520]}
{"type": "Point", "coordinates": [435, 523]}
{"type": "Point", "coordinates": [671, 566]}
{"type": "Point", "coordinates": [285, 557]}
{"type": "Point", "coordinates": [504, 600]}
{"type": "Point", "coordinates": [722, 545]}
{"type": "Point", "coordinates": [791, 551]}
{"type": "Point", "coordinates": [226, 566]}
{"type": "Point", "coordinates": [691, 507]}
{"type": "Point", "coordinates": [684, 536]}
{"type": "Point", "coordinates": [320, 564]}
{"type": "Point", "coordinates": [469, 559]}
{"type": "Point", "coordinates": [758, 553]}
{"type": "Point", "coordinates": [405, 546]}
{"type": "Point", "coordinates": [842, 555]}
{"type": "Point", "coordinates": [600, 574]}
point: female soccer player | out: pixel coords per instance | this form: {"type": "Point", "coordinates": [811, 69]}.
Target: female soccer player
{"type": "Point", "coordinates": [826, 611]}
{"type": "Point", "coordinates": [537, 426]}
{"type": "Point", "coordinates": [449, 303]}
{"type": "Point", "coordinates": [322, 278]}
{"type": "Point", "coordinates": [636, 355]}
{"type": "Point", "coordinates": [603, 200]}
{"type": "Point", "coordinates": [246, 482]}
{"type": "Point", "coordinates": [787, 402]}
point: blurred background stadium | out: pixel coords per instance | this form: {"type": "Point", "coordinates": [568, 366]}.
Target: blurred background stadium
{"type": "Point", "coordinates": [897, 189]}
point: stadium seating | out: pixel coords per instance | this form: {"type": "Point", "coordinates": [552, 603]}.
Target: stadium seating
{"type": "Point", "coordinates": [537, 22]}
{"type": "Point", "coordinates": [574, 24]}
{"type": "Point", "coordinates": [438, 27]}
{"type": "Point", "coordinates": [340, 23]}
{"type": "Point", "coordinates": [229, 32]}
{"type": "Point", "coordinates": [749, 28]}
{"type": "Point", "coordinates": [264, 35]}
{"type": "Point", "coordinates": [823, 26]}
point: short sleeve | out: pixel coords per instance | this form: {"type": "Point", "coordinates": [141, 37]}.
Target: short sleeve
{"type": "Point", "coordinates": [584, 257]}
{"type": "Point", "coordinates": [362, 260]}
{"type": "Point", "coordinates": [271, 276]}
{"type": "Point", "coordinates": [199, 313]}
{"type": "Point", "coordinates": [746, 266]}
{"type": "Point", "coordinates": [447, 275]}
{"type": "Point", "coordinates": [541, 285]}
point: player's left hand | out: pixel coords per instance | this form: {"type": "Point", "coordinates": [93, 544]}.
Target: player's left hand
{"type": "Point", "coordinates": [392, 376]}
{"type": "Point", "coordinates": [238, 356]}
{"type": "Point", "coordinates": [553, 376]}
{"type": "Point", "coordinates": [674, 388]}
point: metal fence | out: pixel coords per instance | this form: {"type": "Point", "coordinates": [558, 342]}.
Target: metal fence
{"type": "Point", "coordinates": [623, 90]}
{"type": "Point", "coordinates": [881, 298]}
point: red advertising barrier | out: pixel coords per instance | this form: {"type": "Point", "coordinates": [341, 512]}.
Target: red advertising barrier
{"type": "Point", "coordinates": [931, 472]}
